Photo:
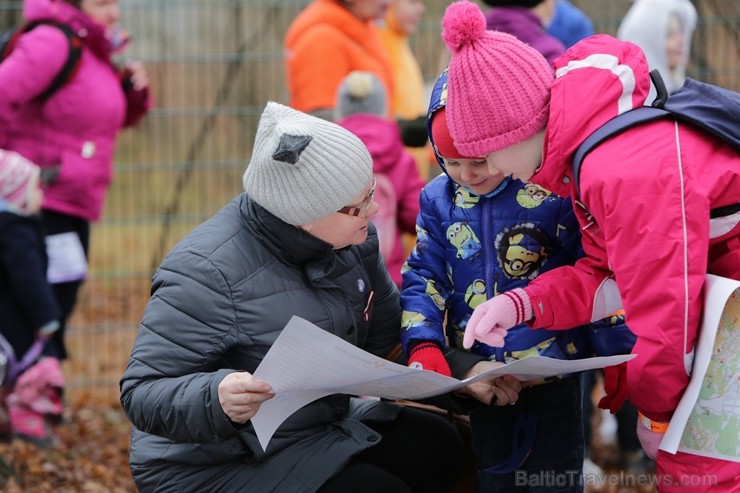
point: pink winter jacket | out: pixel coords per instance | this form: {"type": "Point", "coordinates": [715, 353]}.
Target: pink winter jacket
{"type": "Point", "coordinates": [650, 191]}
{"type": "Point", "coordinates": [76, 127]}
{"type": "Point", "coordinates": [383, 139]}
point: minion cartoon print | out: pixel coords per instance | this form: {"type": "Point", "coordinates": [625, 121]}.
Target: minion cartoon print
{"type": "Point", "coordinates": [462, 237]}
{"type": "Point", "coordinates": [464, 198]}
{"type": "Point", "coordinates": [422, 240]}
{"type": "Point", "coordinates": [476, 293]}
{"type": "Point", "coordinates": [521, 251]}
{"type": "Point", "coordinates": [532, 196]}
{"type": "Point", "coordinates": [433, 293]}
{"type": "Point", "coordinates": [533, 351]}
{"type": "Point", "coordinates": [411, 319]}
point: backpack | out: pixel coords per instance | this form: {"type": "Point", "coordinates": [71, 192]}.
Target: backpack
{"type": "Point", "coordinates": [10, 38]}
{"type": "Point", "coordinates": [711, 108]}
{"type": "Point", "coordinates": [385, 219]}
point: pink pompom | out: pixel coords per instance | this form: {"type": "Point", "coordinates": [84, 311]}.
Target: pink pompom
{"type": "Point", "coordinates": [462, 25]}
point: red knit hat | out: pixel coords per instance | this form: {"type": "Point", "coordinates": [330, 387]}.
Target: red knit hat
{"type": "Point", "coordinates": [441, 136]}
{"type": "Point", "coordinates": [499, 87]}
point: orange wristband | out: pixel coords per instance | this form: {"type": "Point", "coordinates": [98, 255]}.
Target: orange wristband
{"type": "Point", "coordinates": [654, 426]}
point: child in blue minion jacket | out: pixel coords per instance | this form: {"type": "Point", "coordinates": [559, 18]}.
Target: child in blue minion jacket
{"type": "Point", "coordinates": [479, 235]}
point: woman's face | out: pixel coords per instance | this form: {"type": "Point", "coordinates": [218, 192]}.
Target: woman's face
{"type": "Point", "coordinates": [349, 225]}
{"type": "Point", "coordinates": [368, 10]}
{"type": "Point", "coordinates": [674, 43]}
{"type": "Point", "coordinates": [105, 12]}
{"type": "Point", "coordinates": [408, 14]}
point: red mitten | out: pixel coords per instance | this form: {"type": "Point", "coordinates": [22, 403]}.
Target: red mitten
{"type": "Point", "coordinates": [615, 386]}
{"type": "Point", "coordinates": [428, 356]}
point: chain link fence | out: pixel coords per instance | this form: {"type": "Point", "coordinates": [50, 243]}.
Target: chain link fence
{"type": "Point", "coordinates": [213, 65]}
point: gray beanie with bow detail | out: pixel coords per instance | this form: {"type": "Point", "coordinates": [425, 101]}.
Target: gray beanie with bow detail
{"type": "Point", "coordinates": [304, 168]}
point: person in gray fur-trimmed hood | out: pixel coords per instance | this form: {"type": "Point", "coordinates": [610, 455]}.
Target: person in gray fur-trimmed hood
{"type": "Point", "coordinates": [297, 242]}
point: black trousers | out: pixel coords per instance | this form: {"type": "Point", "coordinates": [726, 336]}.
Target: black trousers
{"type": "Point", "coordinates": [419, 452]}
{"type": "Point", "coordinates": [66, 292]}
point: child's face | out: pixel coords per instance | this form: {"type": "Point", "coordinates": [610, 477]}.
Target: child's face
{"type": "Point", "coordinates": [520, 160]}
{"type": "Point", "coordinates": [674, 43]}
{"type": "Point", "coordinates": [473, 174]}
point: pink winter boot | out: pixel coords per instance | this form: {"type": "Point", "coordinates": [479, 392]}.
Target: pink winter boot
{"type": "Point", "coordinates": [35, 406]}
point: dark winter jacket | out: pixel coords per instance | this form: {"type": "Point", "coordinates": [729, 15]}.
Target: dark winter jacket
{"type": "Point", "coordinates": [219, 301]}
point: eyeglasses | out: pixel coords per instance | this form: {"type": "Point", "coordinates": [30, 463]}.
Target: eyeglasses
{"type": "Point", "coordinates": [361, 209]}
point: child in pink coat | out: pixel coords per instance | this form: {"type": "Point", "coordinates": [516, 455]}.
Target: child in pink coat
{"type": "Point", "coordinates": [648, 207]}
{"type": "Point", "coordinates": [361, 109]}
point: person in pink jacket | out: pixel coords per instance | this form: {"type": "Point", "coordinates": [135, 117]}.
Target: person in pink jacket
{"type": "Point", "coordinates": [71, 133]}
{"type": "Point", "coordinates": [646, 206]}
{"type": "Point", "coordinates": [361, 107]}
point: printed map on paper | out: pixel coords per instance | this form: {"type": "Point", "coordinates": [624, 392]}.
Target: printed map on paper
{"type": "Point", "coordinates": [713, 426]}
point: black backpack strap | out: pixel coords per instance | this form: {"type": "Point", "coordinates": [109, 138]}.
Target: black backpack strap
{"type": "Point", "coordinates": [725, 211]}
{"type": "Point", "coordinates": [611, 128]}
{"type": "Point", "coordinates": [73, 57]}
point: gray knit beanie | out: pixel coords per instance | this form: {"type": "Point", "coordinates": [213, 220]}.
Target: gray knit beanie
{"type": "Point", "coordinates": [361, 92]}
{"type": "Point", "coordinates": [304, 168]}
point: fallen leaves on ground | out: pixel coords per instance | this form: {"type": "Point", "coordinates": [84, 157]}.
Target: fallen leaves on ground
{"type": "Point", "coordinates": [91, 458]}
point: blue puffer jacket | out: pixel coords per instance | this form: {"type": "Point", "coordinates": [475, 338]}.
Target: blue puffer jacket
{"type": "Point", "coordinates": [470, 248]}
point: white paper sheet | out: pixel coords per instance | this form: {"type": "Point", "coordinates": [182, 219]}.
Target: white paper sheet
{"type": "Point", "coordinates": [307, 363]}
{"type": "Point", "coordinates": [713, 407]}
{"type": "Point", "coordinates": [66, 258]}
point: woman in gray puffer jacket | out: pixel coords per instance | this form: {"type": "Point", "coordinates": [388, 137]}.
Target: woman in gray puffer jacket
{"type": "Point", "coordinates": [298, 242]}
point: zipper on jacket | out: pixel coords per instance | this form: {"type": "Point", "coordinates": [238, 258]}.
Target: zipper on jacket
{"type": "Point", "coordinates": [489, 257]}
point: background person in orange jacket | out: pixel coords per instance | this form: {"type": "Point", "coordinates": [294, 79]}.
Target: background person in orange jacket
{"type": "Point", "coordinates": [409, 103]}
{"type": "Point", "coordinates": [328, 40]}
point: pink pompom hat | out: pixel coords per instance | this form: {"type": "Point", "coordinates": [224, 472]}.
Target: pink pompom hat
{"type": "Point", "coordinates": [498, 88]}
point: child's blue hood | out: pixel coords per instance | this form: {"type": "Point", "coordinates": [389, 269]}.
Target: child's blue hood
{"type": "Point", "coordinates": [437, 101]}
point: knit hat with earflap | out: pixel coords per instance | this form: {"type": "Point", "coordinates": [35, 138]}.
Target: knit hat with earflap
{"type": "Point", "coordinates": [498, 88]}
{"type": "Point", "coordinates": [304, 168]}
{"type": "Point", "coordinates": [361, 93]}
{"type": "Point", "coordinates": [19, 179]}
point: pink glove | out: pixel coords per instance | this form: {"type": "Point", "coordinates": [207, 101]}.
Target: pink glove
{"type": "Point", "coordinates": [428, 356]}
{"type": "Point", "coordinates": [650, 440]}
{"type": "Point", "coordinates": [493, 318]}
